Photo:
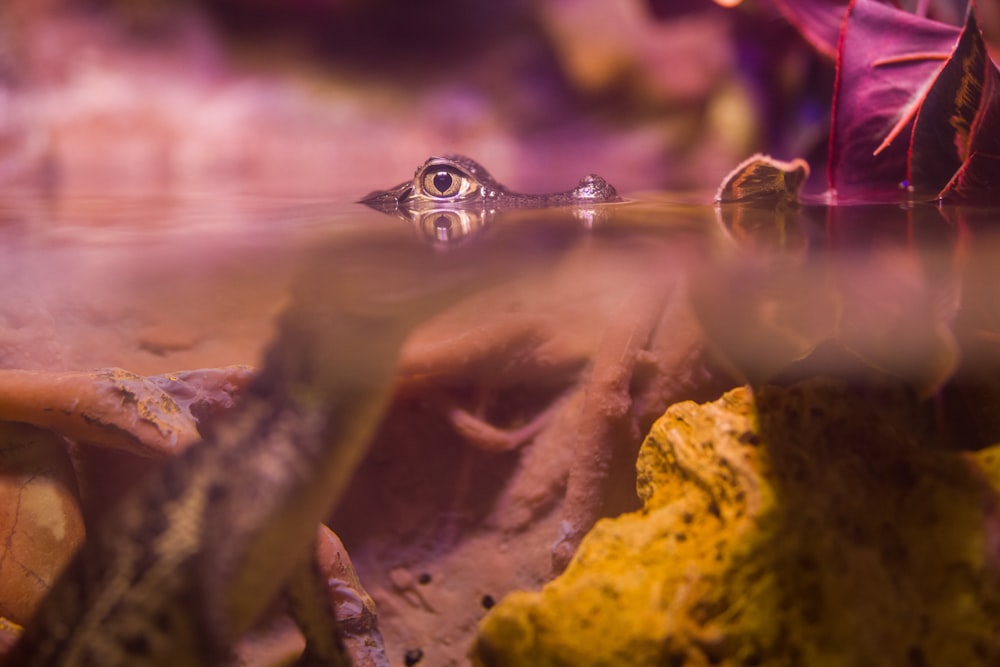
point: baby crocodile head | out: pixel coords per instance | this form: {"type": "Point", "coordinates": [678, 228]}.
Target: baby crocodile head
{"type": "Point", "coordinates": [458, 182]}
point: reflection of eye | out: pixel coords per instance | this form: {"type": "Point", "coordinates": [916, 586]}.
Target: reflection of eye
{"type": "Point", "coordinates": [444, 182]}
{"type": "Point", "coordinates": [442, 227]}
{"type": "Point", "coordinates": [442, 222]}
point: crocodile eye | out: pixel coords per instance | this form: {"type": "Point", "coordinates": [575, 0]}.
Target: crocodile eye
{"type": "Point", "coordinates": [444, 182]}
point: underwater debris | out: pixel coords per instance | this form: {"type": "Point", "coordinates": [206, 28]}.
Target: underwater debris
{"type": "Point", "coordinates": [150, 416]}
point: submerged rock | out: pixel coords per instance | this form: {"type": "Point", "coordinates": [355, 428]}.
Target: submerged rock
{"type": "Point", "coordinates": [41, 525]}
{"type": "Point", "coordinates": [808, 525]}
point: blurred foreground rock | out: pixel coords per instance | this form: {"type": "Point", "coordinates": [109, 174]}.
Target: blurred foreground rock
{"type": "Point", "coordinates": [808, 525]}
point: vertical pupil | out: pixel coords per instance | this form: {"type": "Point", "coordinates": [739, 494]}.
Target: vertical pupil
{"type": "Point", "coordinates": [442, 181]}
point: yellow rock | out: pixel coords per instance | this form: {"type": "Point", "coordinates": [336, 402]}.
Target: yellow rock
{"type": "Point", "coordinates": [812, 525]}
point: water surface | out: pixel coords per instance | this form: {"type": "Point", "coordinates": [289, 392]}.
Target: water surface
{"type": "Point", "coordinates": [175, 282]}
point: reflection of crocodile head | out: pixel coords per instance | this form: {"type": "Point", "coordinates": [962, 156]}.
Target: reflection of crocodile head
{"type": "Point", "coordinates": [450, 197]}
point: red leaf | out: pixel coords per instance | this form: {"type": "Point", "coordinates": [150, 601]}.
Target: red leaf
{"type": "Point", "coordinates": [886, 61]}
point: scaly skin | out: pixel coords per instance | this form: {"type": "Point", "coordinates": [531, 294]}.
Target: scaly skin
{"type": "Point", "coordinates": [455, 181]}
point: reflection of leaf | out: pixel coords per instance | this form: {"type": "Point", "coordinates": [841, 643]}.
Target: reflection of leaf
{"type": "Point", "coordinates": [884, 299]}
{"type": "Point", "coordinates": [900, 291]}
{"type": "Point", "coordinates": [765, 318]}
{"type": "Point", "coordinates": [886, 62]}
{"type": "Point", "coordinates": [765, 229]}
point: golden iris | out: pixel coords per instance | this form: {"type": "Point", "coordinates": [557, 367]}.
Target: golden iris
{"type": "Point", "coordinates": [444, 182]}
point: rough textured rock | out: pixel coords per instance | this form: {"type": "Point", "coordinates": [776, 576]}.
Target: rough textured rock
{"type": "Point", "coordinates": [812, 525]}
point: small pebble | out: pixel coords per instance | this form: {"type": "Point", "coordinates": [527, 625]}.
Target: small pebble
{"type": "Point", "coordinates": [400, 578]}
{"type": "Point", "coordinates": [412, 657]}
{"type": "Point", "coordinates": [488, 602]}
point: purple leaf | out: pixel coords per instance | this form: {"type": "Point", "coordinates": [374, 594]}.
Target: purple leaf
{"type": "Point", "coordinates": [818, 21]}
{"type": "Point", "coordinates": [887, 59]}
{"type": "Point", "coordinates": [978, 179]}
{"type": "Point", "coordinates": [956, 127]}
{"type": "Point", "coordinates": [977, 137]}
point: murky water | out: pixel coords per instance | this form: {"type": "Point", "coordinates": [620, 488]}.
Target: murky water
{"type": "Point", "coordinates": [473, 479]}
{"type": "Point", "coordinates": [160, 284]}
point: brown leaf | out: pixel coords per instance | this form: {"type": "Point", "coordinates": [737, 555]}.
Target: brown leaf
{"type": "Point", "coordinates": [761, 178]}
